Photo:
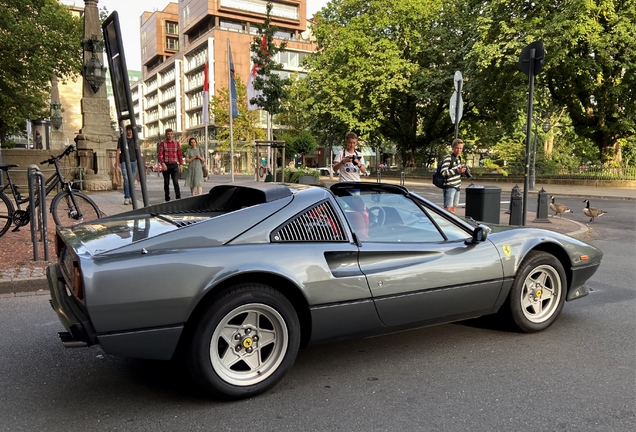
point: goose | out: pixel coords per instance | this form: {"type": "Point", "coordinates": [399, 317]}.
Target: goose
{"type": "Point", "coordinates": [592, 212]}
{"type": "Point", "coordinates": [557, 208]}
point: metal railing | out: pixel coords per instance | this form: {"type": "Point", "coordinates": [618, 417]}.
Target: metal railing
{"type": "Point", "coordinates": [580, 173]}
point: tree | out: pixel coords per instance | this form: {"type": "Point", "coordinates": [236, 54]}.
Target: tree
{"type": "Point", "coordinates": [267, 81]}
{"type": "Point", "coordinates": [38, 39]}
{"type": "Point", "coordinates": [385, 69]}
{"type": "Point", "coordinates": [590, 61]}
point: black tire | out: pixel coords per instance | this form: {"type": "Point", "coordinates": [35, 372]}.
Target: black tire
{"type": "Point", "coordinates": [244, 343]}
{"type": "Point", "coordinates": [6, 213]}
{"type": "Point", "coordinates": [537, 294]}
{"type": "Point", "coordinates": [65, 214]}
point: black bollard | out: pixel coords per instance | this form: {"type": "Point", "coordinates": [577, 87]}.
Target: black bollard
{"type": "Point", "coordinates": [543, 204]}
{"type": "Point", "coordinates": [515, 190]}
{"type": "Point", "coordinates": [516, 206]}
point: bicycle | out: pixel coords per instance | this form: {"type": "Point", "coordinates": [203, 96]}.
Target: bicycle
{"type": "Point", "coordinates": [69, 206]}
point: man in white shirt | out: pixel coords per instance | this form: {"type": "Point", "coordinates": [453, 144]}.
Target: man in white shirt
{"type": "Point", "coordinates": [349, 162]}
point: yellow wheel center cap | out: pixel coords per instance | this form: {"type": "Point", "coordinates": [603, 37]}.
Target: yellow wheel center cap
{"type": "Point", "coordinates": [538, 293]}
{"type": "Point", "coordinates": [247, 342]}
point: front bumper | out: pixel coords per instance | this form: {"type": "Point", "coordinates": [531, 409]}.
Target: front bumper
{"type": "Point", "coordinates": [71, 314]}
{"type": "Point", "coordinates": [579, 276]}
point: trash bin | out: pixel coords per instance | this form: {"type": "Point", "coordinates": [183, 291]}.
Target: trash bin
{"type": "Point", "coordinates": [482, 203]}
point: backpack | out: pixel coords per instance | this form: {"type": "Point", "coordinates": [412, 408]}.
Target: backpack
{"type": "Point", "coordinates": [438, 180]}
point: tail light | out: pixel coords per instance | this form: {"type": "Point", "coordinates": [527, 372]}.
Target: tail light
{"type": "Point", "coordinates": [78, 281]}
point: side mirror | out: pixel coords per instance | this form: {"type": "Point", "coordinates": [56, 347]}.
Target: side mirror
{"type": "Point", "coordinates": [479, 235]}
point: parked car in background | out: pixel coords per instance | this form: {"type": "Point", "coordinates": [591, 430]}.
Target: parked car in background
{"type": "Point", "coordinates": [235, 281]}
{"type": "Point", "coordinates": [324, 171]}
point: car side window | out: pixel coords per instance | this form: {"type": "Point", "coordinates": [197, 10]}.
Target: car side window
{"type": "Point", "coordinates": [390, 218]}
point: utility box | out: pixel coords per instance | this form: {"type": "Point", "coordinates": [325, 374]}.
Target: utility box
{"type": "Point", "coordinates": [482, 203]}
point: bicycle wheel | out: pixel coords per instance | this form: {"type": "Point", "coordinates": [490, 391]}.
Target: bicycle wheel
{"type": "Point", "coordinates": [65, 213]}
{"type": "Point", "coordinates": [6, 213]}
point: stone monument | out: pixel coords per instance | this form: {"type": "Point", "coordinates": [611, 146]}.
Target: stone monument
{"type": "Point", "coordinates": [96, 141]}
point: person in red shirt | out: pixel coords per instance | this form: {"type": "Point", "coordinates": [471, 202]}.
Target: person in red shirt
{"type": "Point", "coordinates": [171, 160]}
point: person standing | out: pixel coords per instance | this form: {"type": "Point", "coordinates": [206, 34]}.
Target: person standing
{"type": "Point", "coordinates": [171, 160]}
{"type": "Point", "coordinates": [195, 159]}
{"type": "Point", "coordinates": [452, 171]}
{"type": "Point", "coordinates": [349, 163]}
{"type": "Point", "coordinates": [119, 159]}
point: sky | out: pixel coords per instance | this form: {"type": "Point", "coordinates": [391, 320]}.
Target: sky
{"type": "Point", "coordinates": [129, 12]}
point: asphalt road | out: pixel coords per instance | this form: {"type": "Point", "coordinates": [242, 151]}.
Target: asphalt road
{"type": "Point", "coordinates": [579, 375]}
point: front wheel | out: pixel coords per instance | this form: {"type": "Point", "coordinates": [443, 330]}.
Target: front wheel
{"type": "Point", "coordinates": [245, 342]}
{"type": "Point", "coordinates": [538, 292]}
{"type": "Point", "coordinates": [65, 213]}
{"type": "Point", "coordinates": [6, 213]}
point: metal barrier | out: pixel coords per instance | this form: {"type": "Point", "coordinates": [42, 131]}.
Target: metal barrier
{"type": "Point", "coordinates": [38, 214]}
{"type": "Point", "coordinates": [516, 207]}
{"type": "Point", "coordinates": [543, 204]}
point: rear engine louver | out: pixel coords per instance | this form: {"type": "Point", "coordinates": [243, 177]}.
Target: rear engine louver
{"type": "Point", "coordinates": [318, 224]}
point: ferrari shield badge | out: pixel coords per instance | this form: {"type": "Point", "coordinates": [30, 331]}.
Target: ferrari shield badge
{"type": "Point", "coordinates": [506, 250]}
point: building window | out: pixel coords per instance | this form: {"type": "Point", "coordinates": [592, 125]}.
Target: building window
{"type": "Point", "coordinates": [172, 44]}
{"type": "Point", "coordinates": [186, 15]}
{"type": "Point", "coordinates": [233, 25]}
{"type": "Point", "coordinates": [172, 28]}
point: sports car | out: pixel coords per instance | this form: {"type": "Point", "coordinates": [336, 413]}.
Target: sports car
{"type": "Point", "coordinates": [235, 281]}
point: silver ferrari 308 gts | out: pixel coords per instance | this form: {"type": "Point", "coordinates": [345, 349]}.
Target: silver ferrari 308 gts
{"type": "Point", "coordinates": [237, 280]}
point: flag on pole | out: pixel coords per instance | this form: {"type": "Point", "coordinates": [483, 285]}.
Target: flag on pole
{"type": "Point", "coordinates": [205, 113]}
{"type": "Point", "coordinates": [251, 92]}
{"type": "Point", "coordinates": [233, 96]}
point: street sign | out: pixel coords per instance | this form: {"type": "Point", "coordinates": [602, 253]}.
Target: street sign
{"type": "Point", "coordinates": [454, 108]}
{"type": "Point", "coordinates": [458, 79]}
{"type": "Point", "coordinates": [537, 60]}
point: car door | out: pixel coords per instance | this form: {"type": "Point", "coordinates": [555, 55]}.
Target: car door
{"type": "Point", "coordinates": [418, 265]}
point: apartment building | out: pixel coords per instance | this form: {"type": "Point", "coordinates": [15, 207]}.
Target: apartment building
{"type": "Point", "coordinates": [177, 41]}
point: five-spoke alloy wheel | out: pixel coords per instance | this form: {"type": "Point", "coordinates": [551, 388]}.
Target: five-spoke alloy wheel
{"type": "Point", "coordinates": [245, 342]}
{"type": "Point", "coordinates": [538, 292]}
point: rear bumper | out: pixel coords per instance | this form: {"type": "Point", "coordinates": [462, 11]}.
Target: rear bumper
{"type": "Point", "coordinates": [74, 319]}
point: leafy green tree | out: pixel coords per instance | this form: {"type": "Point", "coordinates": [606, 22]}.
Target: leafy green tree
{"type": "Point", "coordinates": [38, 39]}
{"type": "Point", "coordinates": [272, 86]}
{"type": "Point", "coordinates": [385, 69]}
{"type": "Point", "coordinates": [590, 62]}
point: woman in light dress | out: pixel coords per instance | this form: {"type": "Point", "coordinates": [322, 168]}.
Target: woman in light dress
{"type": "Point", "coordinates": [195, 159]}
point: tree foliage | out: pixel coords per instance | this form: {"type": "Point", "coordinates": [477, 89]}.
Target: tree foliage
{"type": "Point", "coordinates": [272, 86]}
{"type": "Point", "coordinates": [590, 58]}
{"type": "Point", "coordinates": [38, 39]}
{"type": "Point", "coordinates": [385, 69]}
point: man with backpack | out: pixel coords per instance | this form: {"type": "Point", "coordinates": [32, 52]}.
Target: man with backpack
{"type": "Point", "coordinates": [349, 163]}
{"type": "Point", "coordinates": [451, 169]}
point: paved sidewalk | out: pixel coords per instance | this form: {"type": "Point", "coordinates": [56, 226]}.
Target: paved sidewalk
{"type": "Point", "coordinates": [18, 282]}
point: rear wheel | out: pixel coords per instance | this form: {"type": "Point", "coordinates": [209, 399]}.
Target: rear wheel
{"type": "Point", "coordinates": [245, 342]}
{"type": "Point", "coordinates": [538, 292]}
{"type": "Point", "coordinates": [6, 213]}
{"type": "Point", "coordinates": [67, 214]}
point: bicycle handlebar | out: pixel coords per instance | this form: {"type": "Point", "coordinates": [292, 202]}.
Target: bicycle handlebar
{"type": "Point", "coordinates": [67, 151]}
